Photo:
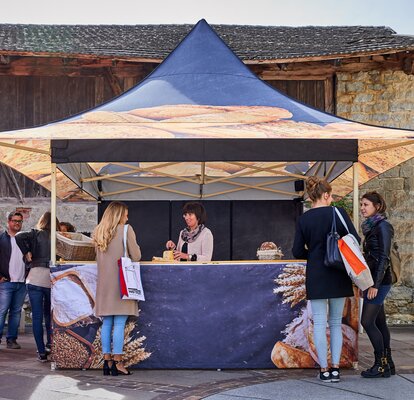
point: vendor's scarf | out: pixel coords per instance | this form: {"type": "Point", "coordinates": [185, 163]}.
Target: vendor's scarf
{"type": "Point", "coordinates": [370, 222]}
{"type": "Point", "coordinates": [190, 236]}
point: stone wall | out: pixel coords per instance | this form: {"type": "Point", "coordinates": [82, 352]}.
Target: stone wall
{"type": "Point", "coordinates": [82, 215]}
{"type": "Point", "coordinates": [387, 98]}
{"type": "Point", "coordinates": [384, 98]}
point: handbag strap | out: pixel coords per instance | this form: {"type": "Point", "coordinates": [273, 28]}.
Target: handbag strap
{"type": "Point", "coordinates": [341, 218]}
{"type": "Point", "coordinates": [125, 239]}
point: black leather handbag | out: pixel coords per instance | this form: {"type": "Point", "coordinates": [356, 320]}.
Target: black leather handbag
{"type": "Point", "coordinates": [333, 257]}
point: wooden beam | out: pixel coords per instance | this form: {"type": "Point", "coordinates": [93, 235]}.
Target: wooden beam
{"type": "Point", "coordinates": [329, 95]}
{"type": "Point", "coordinates": [113, 82]}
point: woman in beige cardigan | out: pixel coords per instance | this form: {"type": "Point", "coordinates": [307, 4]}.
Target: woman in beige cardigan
{"type": "Point", "coordinates": [108, 238]}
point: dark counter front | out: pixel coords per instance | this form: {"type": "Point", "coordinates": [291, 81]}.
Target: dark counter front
{"type": "Point", "coordinates": [213, 315]}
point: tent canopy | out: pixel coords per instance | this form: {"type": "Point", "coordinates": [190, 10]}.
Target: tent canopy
{"type": "Point", "coordinates": [202, 125]}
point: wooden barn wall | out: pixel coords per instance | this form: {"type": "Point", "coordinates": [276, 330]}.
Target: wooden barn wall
{"type": "Point", "coordinates": [15, 185]}
{"type": "Point", "coordinates": [313, 93]}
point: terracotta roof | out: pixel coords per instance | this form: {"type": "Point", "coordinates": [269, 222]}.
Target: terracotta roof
{"type": "Point", "coordinates": [157, 41]}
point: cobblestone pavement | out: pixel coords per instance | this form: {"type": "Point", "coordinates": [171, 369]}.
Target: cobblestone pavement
{"type": "Point", "coordinates": [23, 378]}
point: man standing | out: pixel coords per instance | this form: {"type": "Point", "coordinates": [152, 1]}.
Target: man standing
{"type": "Point", "coordinates": [12, 276]}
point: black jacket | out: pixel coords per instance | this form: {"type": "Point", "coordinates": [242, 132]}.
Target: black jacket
{"type": "Point", "coordinates": [310, 243]}
{"type": "Point", "coordinates": [38, 243]}
{"type": "Point", "coordinates": [5, 254]}
{"type": "Point", "coordinates": [377, 246]}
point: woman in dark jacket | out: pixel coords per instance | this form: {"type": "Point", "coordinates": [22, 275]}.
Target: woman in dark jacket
{"type": "Point", "coordinates": [35, 245]}
{"type": "Point", "coordinates": [325, 286]}
{"type": "Point", "coordinates": [378, 233]}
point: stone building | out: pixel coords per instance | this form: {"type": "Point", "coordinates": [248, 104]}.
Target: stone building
{"type": "Point", "coordinates": [365, 74]}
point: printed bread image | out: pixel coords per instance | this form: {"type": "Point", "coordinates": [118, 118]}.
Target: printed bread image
{"type": "Point", "coordinates": [286, 356]}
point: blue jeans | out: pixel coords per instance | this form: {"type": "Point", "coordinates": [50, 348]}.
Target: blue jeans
{"type": "Point", "coordinates": [117, 322]}
{"type": "Point", "coordinates": [40, 302]}
{"type": "Point", "coordinates": [320, 310]}
{"type": "Point", "coordinates": [12, 296]}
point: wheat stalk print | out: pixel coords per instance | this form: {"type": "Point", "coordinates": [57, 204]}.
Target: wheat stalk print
{"type": "Point", "coordinates": [297, 349]}
{"type": "Point", "coordinates": [291, 284]}
{"type": "Point", "coordinates": [134, 352]}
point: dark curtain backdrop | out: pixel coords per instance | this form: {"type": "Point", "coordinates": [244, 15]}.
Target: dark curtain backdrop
{"type": "Point", "coordinates": [239, 227]}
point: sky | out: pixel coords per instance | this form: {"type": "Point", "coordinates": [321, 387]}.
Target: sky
{"type": "Point", "coordinates": [397, 14]}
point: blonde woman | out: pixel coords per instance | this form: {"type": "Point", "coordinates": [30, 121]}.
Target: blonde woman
{"type": "Point", "coordinates": [108, 238]}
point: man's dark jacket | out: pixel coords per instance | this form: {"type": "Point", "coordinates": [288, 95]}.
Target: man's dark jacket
{"type": "Point", "coordinates": [5, 254]}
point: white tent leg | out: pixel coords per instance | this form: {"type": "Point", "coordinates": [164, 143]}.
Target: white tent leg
{"type": "Point", "coordinates": [355, 199]}
{"type": "Point", "coordinates": [53, 215]}
{"type": "Point", "coordinates": [355, 203]}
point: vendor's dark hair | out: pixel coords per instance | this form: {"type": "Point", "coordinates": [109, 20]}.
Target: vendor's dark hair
{"type": "Point", "coordinates": [197, 209]}
{"type": "Point", "coordinates": [69, 226]}
{"type": "Point", "coordinates": [316, 187]}
{"type": "Point", "coordinates": [378, 201]}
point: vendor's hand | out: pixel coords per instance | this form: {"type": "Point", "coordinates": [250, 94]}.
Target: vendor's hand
{"type": "Point", "coordinates": [178, 255]}
{"type": "Point", "coordinates": [372, 293]}
{"type": "Point", "coordinates": [29, 257]}
{"type": "Point", "coordinates": [170, 245]}
{"type": "Point", "coordinates": [3, 279]}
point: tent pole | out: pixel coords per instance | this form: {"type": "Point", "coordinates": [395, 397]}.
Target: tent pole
{"type": "Point", "coordinates": [53, 215]}
{"type": "Point", "coordinates": [355, 197]}
{"type": "Point", "coordinates": [355, 203]}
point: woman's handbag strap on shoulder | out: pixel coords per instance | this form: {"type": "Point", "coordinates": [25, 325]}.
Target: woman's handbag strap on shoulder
{"type": "Point", "coordinates": [341, 218]}
{"type": "Point", "coordinates": [125, 239]}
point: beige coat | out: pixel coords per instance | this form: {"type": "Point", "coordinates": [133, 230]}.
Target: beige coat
{"type": "Point", "coordinates": [108, 298]}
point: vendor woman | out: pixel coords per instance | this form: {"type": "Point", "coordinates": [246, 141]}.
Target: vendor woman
{"type": "Point", "coordinates": [195, 242]}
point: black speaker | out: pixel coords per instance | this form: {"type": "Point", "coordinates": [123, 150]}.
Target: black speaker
{"type": "Point", "coordinates": [299, 185]}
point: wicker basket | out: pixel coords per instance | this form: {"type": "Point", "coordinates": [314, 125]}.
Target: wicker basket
{"type": "Point", "coordinates": [75, 247]}
{"type": "Point", "coordinates": [274, 254]}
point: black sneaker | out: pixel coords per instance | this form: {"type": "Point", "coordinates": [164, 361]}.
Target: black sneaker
{"type": "Point", "coordinates": [42, 358]}
{"type": "Point", "coordinates": [335, 374]}
{"type": "Point", "coordinates": [12, 344]}
{"type": "Point", "coordinates": [325, 376]}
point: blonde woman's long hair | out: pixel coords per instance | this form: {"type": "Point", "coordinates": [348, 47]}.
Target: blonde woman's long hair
{"type": "Point", "coordinates": [105, 231]}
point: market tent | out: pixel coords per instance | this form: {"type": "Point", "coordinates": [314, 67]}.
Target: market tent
{"type": "Point", "coordinates": [202, 125]}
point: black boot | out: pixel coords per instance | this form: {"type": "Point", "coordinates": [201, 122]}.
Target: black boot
{"type": "Point", "coordinates": [390, 361]}
{"type": "Point", "coordinates": [106, 368]}
{"type": "Point", "coordinates": [380, 369]}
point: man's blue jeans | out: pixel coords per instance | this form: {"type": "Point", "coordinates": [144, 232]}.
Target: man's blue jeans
{"type": "Point", "coordinates": [12, 296]}
{"type": "Point", "coordinates": [40, 302]}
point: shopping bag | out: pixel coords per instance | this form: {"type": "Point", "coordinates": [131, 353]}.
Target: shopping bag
{"type": "Point", "coordinates": [129, 275]}
{"type": "Point", "coordinates": [130, 280]}
{"type": "Point", "coordinates": [354, 261]}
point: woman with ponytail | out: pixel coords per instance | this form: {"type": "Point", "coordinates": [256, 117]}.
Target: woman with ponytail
{"type": "Point", "coordinates": [326, 287]}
